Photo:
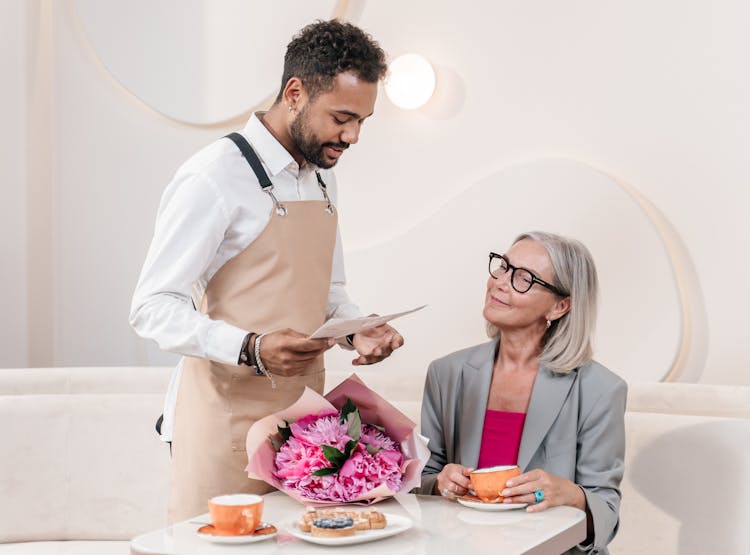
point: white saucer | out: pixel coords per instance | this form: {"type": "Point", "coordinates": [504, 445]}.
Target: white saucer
{"type": "Point", "coordinates": [481, 506]}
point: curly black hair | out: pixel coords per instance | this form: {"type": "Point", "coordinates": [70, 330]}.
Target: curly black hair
{"type": "Point", "coordinates": [323, 49]}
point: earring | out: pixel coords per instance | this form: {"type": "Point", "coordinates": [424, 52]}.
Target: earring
{"type": "Point", "coordinates": [291, 108]}
{"type": "Point", "coordinates": [548, 324]}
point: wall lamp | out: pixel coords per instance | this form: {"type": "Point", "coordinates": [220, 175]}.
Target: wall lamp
{"type": "Point", "coordinates": [410, 82]}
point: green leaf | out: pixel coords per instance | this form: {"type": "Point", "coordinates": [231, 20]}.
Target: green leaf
{"type": "Point", "coordinates": [354, 425]}
{"type": "Point", "coordinates": [325, 471]}
{"type": "Point", "coordinates": [348, 448]}
{"type": "Point", "coordinates": [372, 449]}
{"type": "Point", "coordinates": [381, 428]}
{"type": "Point", "coordinates": [286, 431]}
{"type": "Point", "coordinates": [334, 456]}
{"type": "Point", "coordinates": [276, 443]}
{"type": "Point", "coordinates": [346, 409]}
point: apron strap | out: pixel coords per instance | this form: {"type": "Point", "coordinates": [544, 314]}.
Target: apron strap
{"type": "Point", "coordinates": [252, 159]}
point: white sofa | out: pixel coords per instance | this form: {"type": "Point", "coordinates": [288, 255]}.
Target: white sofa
{"type": "Point", "coordinates": [686, 488]}
{"type": "Point", "coordinates": [82, 470]}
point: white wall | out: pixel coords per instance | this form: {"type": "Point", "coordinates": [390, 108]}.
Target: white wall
{"type": "Point", "coordinates": [13, 337]}
{"type": "Point", "coordinates": [655, 95]}
{"type": "Point", "coordinates": [651, 93]}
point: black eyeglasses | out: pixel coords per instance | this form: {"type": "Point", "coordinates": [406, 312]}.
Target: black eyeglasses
{"type": "Point", "coordinates": [521, 279]}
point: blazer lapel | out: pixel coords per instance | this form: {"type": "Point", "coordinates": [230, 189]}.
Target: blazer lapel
{"type": "Point", "coordinates": [476, 376]}
{"type": "Point", "coordinates": [547, 398]}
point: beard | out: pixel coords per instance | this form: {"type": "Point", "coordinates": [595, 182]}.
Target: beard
{"type": "Point", "coordinates": [306, 141]}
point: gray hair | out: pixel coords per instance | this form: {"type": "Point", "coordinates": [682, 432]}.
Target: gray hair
{"type": "Point", "coordinates": [567, 344]}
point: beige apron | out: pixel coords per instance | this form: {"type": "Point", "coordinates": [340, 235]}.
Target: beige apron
{"type": "Point", "coordinates": [281, 280]}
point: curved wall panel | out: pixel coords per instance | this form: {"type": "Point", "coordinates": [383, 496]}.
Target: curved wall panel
{"type": "Point", "coordinates": [197, 61]}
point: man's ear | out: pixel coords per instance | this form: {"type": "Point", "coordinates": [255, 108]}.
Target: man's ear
{"type": "Point", "coordinates": [294, 94]}
{"type": "Point", "coordinates": [559, 309]}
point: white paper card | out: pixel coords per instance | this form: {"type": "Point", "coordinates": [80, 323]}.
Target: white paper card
{"type": "Point", "coordinates": [340, 327]}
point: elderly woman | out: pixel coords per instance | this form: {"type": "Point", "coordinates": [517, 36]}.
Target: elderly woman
{"type": "Point", "coordinates": [533, 396]}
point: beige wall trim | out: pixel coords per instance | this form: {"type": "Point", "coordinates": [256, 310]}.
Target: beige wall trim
{"type": "Point", "coordinates": [691, 356]}
{"type": "Point", "coordinates": [40, 186]}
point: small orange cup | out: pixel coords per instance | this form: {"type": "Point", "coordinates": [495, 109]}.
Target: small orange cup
{"type": "Point", "coordinates": [237, 514]}
{"type": "Point", "coordinates": [487, 483]}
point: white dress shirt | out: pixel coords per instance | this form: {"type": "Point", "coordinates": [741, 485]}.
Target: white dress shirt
{"type": "Point", "coordinates": [210, 212]}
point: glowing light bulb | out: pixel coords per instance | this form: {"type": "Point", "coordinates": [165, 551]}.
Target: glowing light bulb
{"type": "Point", "coordinates": [410, 82]}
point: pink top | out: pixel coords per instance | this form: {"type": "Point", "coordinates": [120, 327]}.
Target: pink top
{"type": "Point", "coordinates": [501, 438]}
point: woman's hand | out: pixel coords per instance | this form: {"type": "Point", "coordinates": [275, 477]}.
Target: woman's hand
{"type": "Point", "coordinates": [556, 491]}
{"type": "Point", "coordinates": [453, 481]}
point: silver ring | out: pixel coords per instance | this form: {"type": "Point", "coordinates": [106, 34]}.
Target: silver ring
{"type": "Point", "coordinates": [446, 492]}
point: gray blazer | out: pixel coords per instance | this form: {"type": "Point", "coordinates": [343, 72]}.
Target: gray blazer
{"type": "Point", "coordinates": [574, 428]}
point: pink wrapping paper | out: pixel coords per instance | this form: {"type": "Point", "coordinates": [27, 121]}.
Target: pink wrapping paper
{"type": "Point", "coordinates": [372, 408]}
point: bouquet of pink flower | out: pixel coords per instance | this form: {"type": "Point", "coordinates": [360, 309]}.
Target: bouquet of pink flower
{"type": "Point", "coordinates": [350, 446]}
{"type": "Point", "coordinates": [332, 456]}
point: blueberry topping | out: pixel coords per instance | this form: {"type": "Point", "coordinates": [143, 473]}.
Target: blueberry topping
{"type": "Point", "coordinates": [333, 523]}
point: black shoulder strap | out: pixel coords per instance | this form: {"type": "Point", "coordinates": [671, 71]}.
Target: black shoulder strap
{"type": "Point", "coordinates": [252, 159]}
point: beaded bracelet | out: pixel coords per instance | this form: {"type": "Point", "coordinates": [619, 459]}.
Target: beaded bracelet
{"type": "Point", "coordinates": [261, 368]}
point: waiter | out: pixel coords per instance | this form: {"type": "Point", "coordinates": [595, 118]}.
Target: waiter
{"type": "Point", "coordinates": [246, 262]}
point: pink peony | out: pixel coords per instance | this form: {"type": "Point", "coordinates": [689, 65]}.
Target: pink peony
{"type": "Point", "coordinates": [305, 421]}
{"type": "Point", "coordinates": [325, 430]}
{"type": "Point", "coordinates": [376, 438]}
{"type": "Point", "coordinates": [295, 460]}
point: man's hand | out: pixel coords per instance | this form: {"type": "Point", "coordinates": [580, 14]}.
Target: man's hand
{"type": "Point", "coordinates": [288, 352]}
{"type": "Point", "coordinates": [376, 344]}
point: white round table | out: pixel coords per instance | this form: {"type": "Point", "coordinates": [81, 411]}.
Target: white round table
{"type": "Point", "coordinates": [439, 526]}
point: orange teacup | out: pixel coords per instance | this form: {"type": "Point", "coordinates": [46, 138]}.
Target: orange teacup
{"type": "Point", "coordinates": [487, 483]}
{"type": "Point", "coordinates": [237, 514]}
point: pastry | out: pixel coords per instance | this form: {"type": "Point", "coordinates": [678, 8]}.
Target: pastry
{"type": "Point", "coordinates": [332, 526]}
{"type": "Point", "coordinates": [363, 520]}
{"type": "Point", "coordinates": [377, 519]}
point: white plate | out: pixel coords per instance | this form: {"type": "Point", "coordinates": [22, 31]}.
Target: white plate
{"type": "Point", "coordinates": [235, 539]}
{"type": "Point", "coordinates": [490, 506]}
{"type": "Point", "coordinates": [395, 525]}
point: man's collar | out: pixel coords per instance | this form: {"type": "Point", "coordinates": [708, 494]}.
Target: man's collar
{"type": "Point", "coordinates": [272, 152]}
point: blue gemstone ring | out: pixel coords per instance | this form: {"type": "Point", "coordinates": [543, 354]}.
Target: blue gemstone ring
{"type": "Point", "coordinates": [539, 495]}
